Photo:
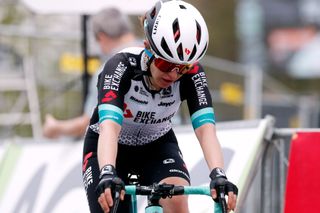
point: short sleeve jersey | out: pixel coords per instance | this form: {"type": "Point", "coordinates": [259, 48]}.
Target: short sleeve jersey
{"type": "Point", "coordinates": [145, 115]}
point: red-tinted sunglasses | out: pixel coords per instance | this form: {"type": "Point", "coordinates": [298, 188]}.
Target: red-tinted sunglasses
{"type": "Point", "coordinates": [165, 66]}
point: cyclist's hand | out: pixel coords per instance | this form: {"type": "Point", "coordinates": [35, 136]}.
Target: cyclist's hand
{"type": "Point", "coordinates": [107, 185]}
{"type": "Point", "coordinates": [219, 182]}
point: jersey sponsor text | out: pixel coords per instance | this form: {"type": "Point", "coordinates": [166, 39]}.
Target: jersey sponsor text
{"type": "Point", "coordinates": [149, 118]}
{"type": "Point", "coordinates": [112, 81]}
{"type": "Point", "coordinates": [200, 83]}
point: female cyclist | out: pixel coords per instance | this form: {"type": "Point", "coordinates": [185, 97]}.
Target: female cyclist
{"type": "Point", "coordinates": [139, 91]}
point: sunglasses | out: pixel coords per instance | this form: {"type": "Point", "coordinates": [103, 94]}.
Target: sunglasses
{"type": "Point", "coordinates": [165, 66]}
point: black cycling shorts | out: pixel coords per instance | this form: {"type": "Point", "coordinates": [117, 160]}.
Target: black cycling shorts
{"type": "Point", "coordinates": [151, 163]}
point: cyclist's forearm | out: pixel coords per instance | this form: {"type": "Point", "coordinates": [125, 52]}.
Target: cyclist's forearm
{"type": "Point", "coordinates": [108, 143]}
{"type": "Point", "coordinates": [210, 145]}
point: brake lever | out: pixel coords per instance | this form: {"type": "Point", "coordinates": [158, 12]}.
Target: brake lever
{"type": "Point", "coordinates": [117, 191]}
{"type": "Point", "coordinates": [221, 198]}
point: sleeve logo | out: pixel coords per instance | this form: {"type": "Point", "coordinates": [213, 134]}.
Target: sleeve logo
{"type": "Point", "coordinates": [109, 96]}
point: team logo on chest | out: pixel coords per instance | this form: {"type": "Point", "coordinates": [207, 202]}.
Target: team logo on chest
{"type": "Point", "coordinates": [140, 90]}
{"type": "Point", "coordinates": [136, 100]}
{"type": "Point", "coordinates": [127, 112]}
{"type": "Point", "coordinates": [166, 93]}
{"type": "Point", "coordinates": [150, 118]}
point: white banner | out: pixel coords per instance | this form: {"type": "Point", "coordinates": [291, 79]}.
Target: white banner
{"type": "Point", "coordinates": [136, 7]}
{"type": "Point", "coordinates": [46, 177]}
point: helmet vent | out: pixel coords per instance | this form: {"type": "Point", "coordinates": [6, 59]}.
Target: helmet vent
{"type": "Point", "coordinates": [180, 52]}
{"type": "Point", "coordinates": [194, 50]}
{"type": "Point", "coordinates": [153, 13]}
{"type": "Point", "coordinates": [198, 32]}
{"type": "Point", "coordinates": [182, 6]}
{"type": "Point", "coordinates": [203, 51]}
{"type": "Point", "coordinates": [176, 30]}
{"type": "Point", "coordinates": [165, 47]}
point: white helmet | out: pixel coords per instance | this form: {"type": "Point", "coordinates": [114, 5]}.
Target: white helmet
{"type": "Point", "coordinates": [176, 32]}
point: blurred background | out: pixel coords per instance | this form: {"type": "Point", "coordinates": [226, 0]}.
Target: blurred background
{"type": "Point", "coordinates": [263, 58]}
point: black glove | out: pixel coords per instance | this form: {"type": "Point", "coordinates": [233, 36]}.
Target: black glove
{"type": "Point", "coordinates": [108, 179]}
{"type": "Point", "coordinates": [219, 182]}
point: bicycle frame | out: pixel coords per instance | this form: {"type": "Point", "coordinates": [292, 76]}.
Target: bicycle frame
{"type": "Point", "coordinates": [155, 207]}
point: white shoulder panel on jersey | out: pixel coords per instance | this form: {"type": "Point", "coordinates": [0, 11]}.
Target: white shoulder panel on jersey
{"type": "Point", "coordinates": [133, 50]}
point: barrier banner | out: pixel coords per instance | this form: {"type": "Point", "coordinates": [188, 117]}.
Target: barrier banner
{"type": "Point", "coordinates": [303, 180]}
{"type": "Point", "coordinates": [42, 176]}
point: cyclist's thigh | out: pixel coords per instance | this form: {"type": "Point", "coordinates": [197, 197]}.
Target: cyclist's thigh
{"type": "Point", "coordinates": [163, 160]}
{"type": "Point", "coordinates": [91, 179]}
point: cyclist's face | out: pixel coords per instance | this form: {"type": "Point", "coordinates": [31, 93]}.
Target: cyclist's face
{"type": "Point", "coordinates": [161, 79]}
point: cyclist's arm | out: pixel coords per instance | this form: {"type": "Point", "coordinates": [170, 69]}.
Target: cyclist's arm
{"type": "Point", "coordinates": [108, 142]}
{"type": "Point", "coordinates": [194, 89]}
{"type": "Point", "coordinates": [210, 145]}
{"type": "Point", "coordinates": [113, 83]}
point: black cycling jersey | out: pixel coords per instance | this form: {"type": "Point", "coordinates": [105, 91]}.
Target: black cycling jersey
{"type": "Point", "coordinates": [145, 115]}
{"type": "Point", "coordinates": [147, 144]}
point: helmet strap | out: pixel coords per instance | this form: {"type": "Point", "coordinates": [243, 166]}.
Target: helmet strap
{"type": "Point", "coordinates": [148, 53]}
{"type": "Point", "coordinates": [151, 57]}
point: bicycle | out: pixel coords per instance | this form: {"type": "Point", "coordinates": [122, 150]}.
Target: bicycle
{"type": "Point", "coordinates": [157, 191]}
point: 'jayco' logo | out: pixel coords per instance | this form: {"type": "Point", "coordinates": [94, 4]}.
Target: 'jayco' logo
{"type": "Point", "coordinates": [166, 104]}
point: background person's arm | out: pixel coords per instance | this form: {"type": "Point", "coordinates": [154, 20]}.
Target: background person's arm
{"type": "Point", "coordinates": [75, 127]}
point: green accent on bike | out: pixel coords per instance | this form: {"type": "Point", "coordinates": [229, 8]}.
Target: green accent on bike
{"type": "Point", "coordinates": [153, 209]}
{"type": "Point", "coordinates": [217, 208]}
{"type": "Point", "coordinates": [134, 205]}
{"type": "Point", "coordinates": [203, 116]}
{"type": "Point", "coordinates": [130, 189]}
{"type": "Point", "coordinates": [197, 190]}
{"type": "Point", "coordinates": [110, 112]}
{"type": "Point", "coordinates": [187, 190]}
{"type": "Point", "coordinates": [7, 166]}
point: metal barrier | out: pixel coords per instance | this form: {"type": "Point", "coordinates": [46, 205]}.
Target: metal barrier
{"type": "Point", "coordinates": [268, 178]}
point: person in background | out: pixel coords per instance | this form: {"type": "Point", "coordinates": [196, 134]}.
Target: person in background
{"type": "Point", "coordinates": [113, 31]}
{"type": "Point", "coordinates": [139, 91]}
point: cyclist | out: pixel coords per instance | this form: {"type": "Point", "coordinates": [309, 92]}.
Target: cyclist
{"type": "Point", "coordinates": [139, 91]}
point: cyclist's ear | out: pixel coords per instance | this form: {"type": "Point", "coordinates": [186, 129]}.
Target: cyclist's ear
{"type": "Point", "coordinates": [146, 44]}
